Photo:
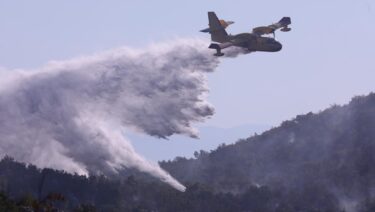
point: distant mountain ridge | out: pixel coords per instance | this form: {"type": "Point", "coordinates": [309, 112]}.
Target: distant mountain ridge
{"type": "Point", "coordinates": [329, 153]}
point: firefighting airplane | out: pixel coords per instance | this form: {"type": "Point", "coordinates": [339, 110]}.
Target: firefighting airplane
{"type": "Point", "coordinates": [253, 41]}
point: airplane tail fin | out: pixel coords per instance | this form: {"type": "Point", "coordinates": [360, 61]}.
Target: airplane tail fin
{"type": "Point", "coordinates": [217, 31]}
{"type": "Point", "coordinates": [285, 21]}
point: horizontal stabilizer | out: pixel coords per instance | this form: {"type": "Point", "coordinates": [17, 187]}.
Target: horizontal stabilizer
{"type": "Point", "coordinates": [285, 29]}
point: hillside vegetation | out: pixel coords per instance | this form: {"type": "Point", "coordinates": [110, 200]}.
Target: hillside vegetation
{"type": "Point", "coordinates": [314, 162]}
{"type": "Point", "coordinates": [327, 154]}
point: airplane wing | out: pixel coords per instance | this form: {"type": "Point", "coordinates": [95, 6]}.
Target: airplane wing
{"type": "Point", "coordinates": [282, 24]}
{"type": "Point", "coordinates": [223, 23]}
{"type": "Point", "coordinates": [217, 31]}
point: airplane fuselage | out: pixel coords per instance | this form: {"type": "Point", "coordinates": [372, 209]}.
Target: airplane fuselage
{"type": "Point", "coordinates": [254, 42]}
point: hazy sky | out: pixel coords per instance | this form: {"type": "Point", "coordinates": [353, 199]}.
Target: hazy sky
{"type": "Point", "coordinates": [327, 58]}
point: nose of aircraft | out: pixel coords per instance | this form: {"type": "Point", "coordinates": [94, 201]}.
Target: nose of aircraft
{"type": "Point", "coordinates": [278, 46]}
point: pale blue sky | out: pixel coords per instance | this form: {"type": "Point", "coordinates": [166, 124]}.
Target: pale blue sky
{"type": "Point", "coordinates": [327, 58]}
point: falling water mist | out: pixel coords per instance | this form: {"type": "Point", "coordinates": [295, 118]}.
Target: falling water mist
{"type": "Point", "coordinates": [72, 115]}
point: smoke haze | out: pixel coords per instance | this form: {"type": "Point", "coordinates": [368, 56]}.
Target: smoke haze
{"type": "Point", "coordinates": [72, 115]}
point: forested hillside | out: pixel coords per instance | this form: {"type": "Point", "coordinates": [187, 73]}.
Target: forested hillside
{"type": "Point", "coordinates": [26, 188]}
{"type": "Point", "coordinates": [314, 162]}
{"type": "Point", "coordinates": [330, 153]}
